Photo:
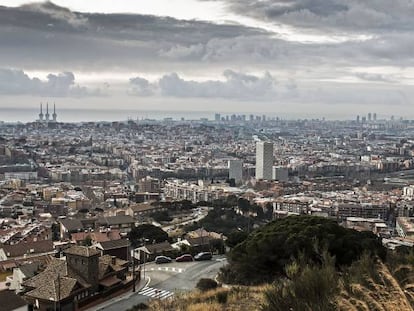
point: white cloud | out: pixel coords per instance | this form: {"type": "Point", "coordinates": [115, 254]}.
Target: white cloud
{"type": "Point", "coordinates": [17, 82]}
{"type": "Point", "coordinates": [235, 85]}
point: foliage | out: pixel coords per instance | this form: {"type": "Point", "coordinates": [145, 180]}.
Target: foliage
{"type": "Point", "coordinates": [55, 232]}
{"type": "Point", "coordinates": [87, 241]}
{"type": "Point", "coordinates": [222, 297]}
{"type": "Point", "coordinates": [236, 237]}
{"type": "Point", "coordinates": [221, 220]}
{"type": "Point", "coordinates": [307, 288]}
{"type": "Point", "coordinates": [265, 253]}
{"type": "Point", "coordinates": [161, 216]}
{"type": "Point", "coordinates": [206, 284]}
{"type": "Point", "coordinates": [147, 232]}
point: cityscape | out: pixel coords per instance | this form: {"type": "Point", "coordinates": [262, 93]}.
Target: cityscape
{"type": "Point", "coordinates": [192, 155]}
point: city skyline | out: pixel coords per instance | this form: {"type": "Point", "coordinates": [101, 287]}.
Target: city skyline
{"type": "Point", "coordinates": [304, 59]}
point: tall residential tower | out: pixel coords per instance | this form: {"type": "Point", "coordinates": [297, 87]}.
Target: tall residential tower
{"type": "Point", "coordinates": [264, 160]}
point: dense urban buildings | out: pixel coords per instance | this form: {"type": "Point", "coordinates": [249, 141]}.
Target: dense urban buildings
{"type": "Point", "coordinates": [72, 193]}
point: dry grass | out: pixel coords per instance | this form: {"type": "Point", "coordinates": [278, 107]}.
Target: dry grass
{"type": "Point", "coordinates": [384, 292]}
{"type": "Point", "coordinates": [238, 298]}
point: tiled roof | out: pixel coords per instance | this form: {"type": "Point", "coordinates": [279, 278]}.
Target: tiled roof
{"type": "Point", "coordinates": [114, 244]}
{"type": "Point", "coordinates": [55, 267]}
{"type": "Point", "coordinates": [159, 247]}
{"type": "Point", "coordinates": [83, 251]}
{"type": "Point", "coordinates": [54, 288]}
{"type": "Point", "coordinates": [106, 266]}
{"type": "Point", "coordinates": [23, 248]}
{"type": "Point", "coordinates": [116, 220]}
{"type": "Point", "coordinates": [30, 269]}
{"type": "Point", "coordinates": [72, 224]}
{"type": "Point", "coordinates": [56, 281]}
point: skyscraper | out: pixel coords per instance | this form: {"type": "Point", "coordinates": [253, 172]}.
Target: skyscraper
{"type": "Point", "coordinates": [264, 160]}
{"type": "Point", "coordinates": [236, 170]}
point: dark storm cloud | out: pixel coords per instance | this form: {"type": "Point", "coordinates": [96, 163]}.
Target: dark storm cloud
{"type": "Point", "coordinates": [16, 82]}
{"type": "Point", "coordinates": [48, 37]}
{"type": "Point", "coordinates": [45, 36]}
{"type": "Point", "coordinates": [355, 15]}
{"type": "Point", "coordinates": [235, 85]}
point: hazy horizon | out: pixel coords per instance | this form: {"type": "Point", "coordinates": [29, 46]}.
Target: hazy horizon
{"type": "Point", "coordinates": [297, 57]}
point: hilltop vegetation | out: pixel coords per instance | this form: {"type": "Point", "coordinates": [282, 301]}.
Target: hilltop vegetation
{"type": "Point", "coordinates": [308, 264]}
{"type": "Point", "coordinates": [264, 255]}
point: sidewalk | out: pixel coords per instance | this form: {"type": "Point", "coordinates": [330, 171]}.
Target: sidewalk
{"type": "Point", "coordinates": [115, 297]}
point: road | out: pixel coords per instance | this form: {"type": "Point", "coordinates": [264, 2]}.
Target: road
{"type": "Point", "coordinates": [197, 215]}
{"type": "Point", "coordinates": [165, 280]}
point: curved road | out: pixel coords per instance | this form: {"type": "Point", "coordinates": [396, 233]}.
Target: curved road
{"type": "Point", "coordinates": [165, 280]}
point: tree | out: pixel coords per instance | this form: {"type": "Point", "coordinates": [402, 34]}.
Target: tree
{"type": "Point", "coordinates": [235, 238]}
{"type": "Point", "coordinates": [55, 232]}
{"type": "Point", "coordinates": [265, 253]}
{"type": "Point", "coordinates": [243, 205]}
{"type": "Point", "coordinates": [148, 232]}
{"type": "Point", "coordinates": [161, 216]}
{"type": "Point", "coordinates": [87, 241]}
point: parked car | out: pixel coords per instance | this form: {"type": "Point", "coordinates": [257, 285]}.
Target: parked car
{"type": "Point", "coordinates": [203, 256]}
{"type": "Point", "coordinates": [185, 257]}
{"type": "Point", "coordinates": [162, 259]}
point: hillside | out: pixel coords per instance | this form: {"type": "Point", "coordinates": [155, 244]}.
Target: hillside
{"type": "Point", "coordinates": [308, 264]}
{"type": "Point", "coordinates": [382, 292]}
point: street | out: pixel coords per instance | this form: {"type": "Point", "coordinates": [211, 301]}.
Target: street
{"type": "Point", "coordinates": [164, 281]}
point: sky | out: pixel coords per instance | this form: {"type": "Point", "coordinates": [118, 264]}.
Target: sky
{"type": "Point", "coordinates": [287, 58]}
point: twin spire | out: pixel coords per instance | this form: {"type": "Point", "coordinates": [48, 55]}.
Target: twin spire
{"type": "Point", "coordinates": [45, 118]}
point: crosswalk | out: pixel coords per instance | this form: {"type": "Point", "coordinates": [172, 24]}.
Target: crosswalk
{"type": "Point", "coordinates": [167, 269]}
{"type": "Point", "coordinates": [155, 293]}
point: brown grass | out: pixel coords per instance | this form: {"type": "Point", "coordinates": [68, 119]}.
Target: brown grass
{"type": "Point", "coordinates": [238, 299]}
{"type": "Point", "coordinates": [385, 293]}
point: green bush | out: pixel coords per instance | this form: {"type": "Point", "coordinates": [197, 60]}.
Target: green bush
{"type": "Point", "coordinates": [306, 288]}
{"type": "Point", "coordinates": [264, 255]}
{"type": "Point", "coordinates": [206, 284]}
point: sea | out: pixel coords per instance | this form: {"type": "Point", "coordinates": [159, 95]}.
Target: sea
{"type": "Point", "coordinates": [24, 115]}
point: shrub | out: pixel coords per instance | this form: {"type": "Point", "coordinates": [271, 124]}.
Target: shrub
{"type": "Point", "coordinates": [222, 297]}
{"type": "Point", "coordinates": [265, 253]}
{"type": "Point", "coordinates": [206, 284]}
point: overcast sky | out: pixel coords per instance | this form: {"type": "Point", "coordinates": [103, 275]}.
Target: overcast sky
{"type": "Point", "coordinates": [304, 58]}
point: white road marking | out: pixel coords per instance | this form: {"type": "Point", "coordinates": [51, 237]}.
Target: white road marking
{"type": "Point", "coordinates": [155, 293]}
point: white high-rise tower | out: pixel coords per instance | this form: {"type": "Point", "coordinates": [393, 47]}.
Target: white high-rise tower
{"type": "Point", "coordinates": [264, 160]}
{"type": "Point", "coordinates": [236, 170]}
